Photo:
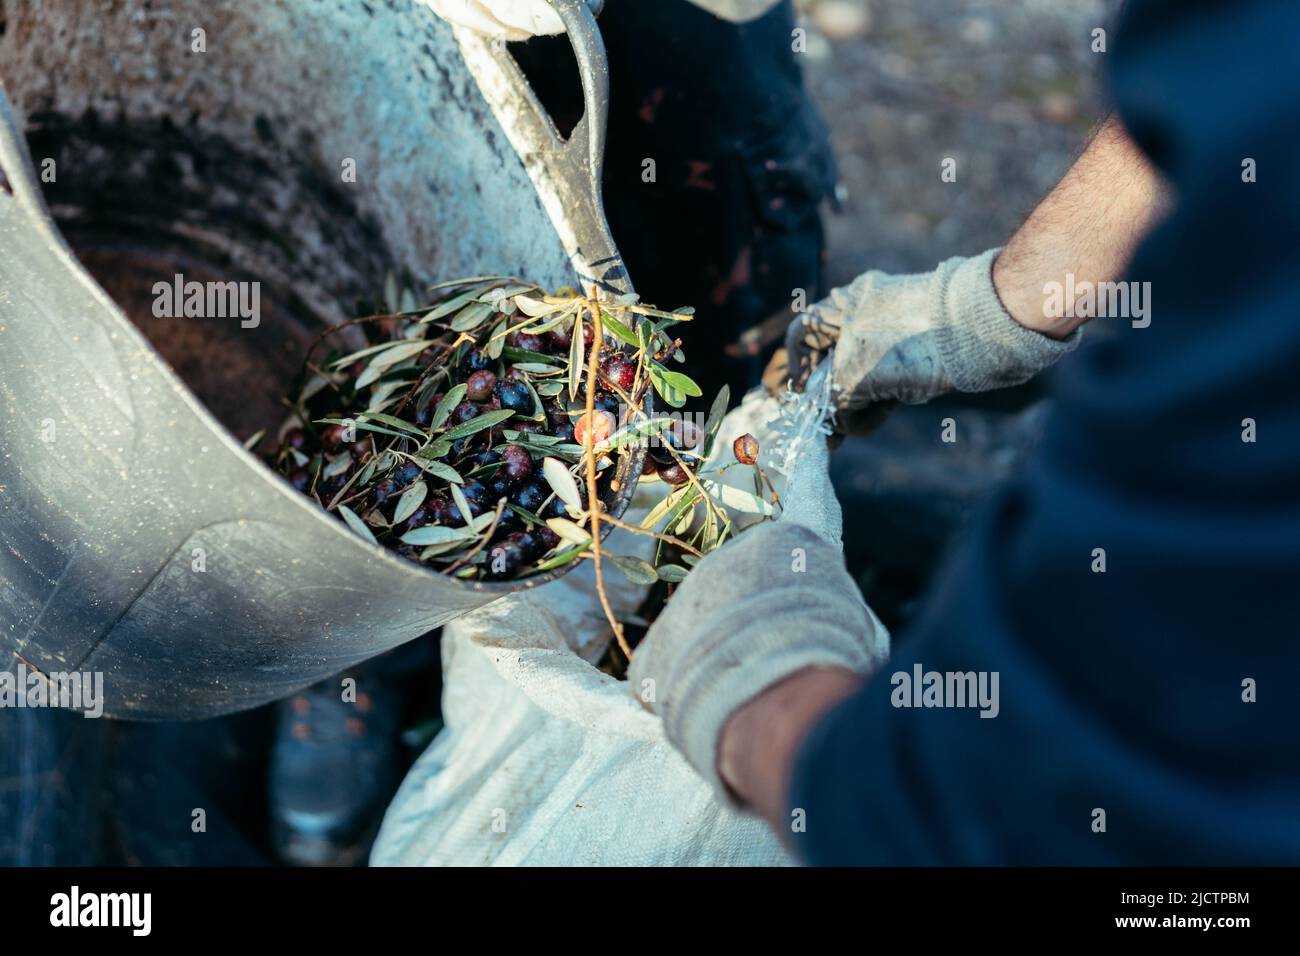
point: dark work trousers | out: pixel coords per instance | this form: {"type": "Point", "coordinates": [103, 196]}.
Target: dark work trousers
{"type": "Point", "coordinates": [715, 169]}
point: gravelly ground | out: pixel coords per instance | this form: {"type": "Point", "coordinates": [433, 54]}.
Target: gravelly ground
{"type": "Point", "coordinates": [1007, 88]}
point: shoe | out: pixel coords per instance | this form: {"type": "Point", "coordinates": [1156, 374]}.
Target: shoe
{"type": "Point", "coordinates": [335, 766]}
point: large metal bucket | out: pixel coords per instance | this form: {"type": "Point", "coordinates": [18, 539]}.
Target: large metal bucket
{"type": "Point", "coordinates": [137, 537]}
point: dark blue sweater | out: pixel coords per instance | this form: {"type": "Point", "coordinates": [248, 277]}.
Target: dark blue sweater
{"type": "Point", "coordinates": [1123, 691]}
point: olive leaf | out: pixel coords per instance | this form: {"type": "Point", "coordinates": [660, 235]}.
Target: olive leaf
{"type": "Point", "coordinates": [396, 352]}
{"type": "Point", "coordinates": [486, 420]}
{"type": "Point", "coordinates": [434, 534]}
{"type": "Point", "coordinates": [569, 531]}
{"type": "Point", "coordinates": [737, 499]}
{"type": "Point", "coordinates": [411, 499]}
{"type": "Point", "coordinates": [575, 357]}
{"type": "Point", "coordinates": [672, 573]}
{"type": "Point", "coordinates": [535, 307]}
{"type": "Point", "coordinates": [562, 483]}
{"type": "Point", "coordinates": [356, 524]}
{"type": "Point", "coordinates": [496, 342]}
{"type": "Point", "coordinates": [717, 412]}
{"type": "Point", "coordinates": [462, 504]}
{"type": "Point", "coordinates": [677, 380]}
{"type": "Point", "coordinates": [392, 420]}
{"type": "Point", "coordinates": [449, 401]}
{"type": "Point", "coordinates": [471, 317]}
{"type": "Point", "coordinates": [620, 331]}
{"type": "Point", "coordinates": [635, 431]}
{"type": "Point", "coordinates": [454, 304]}
{"type": "Point", "coordinates": [440, 469]}
{"type": "Point", "coordinates": [634, 569]}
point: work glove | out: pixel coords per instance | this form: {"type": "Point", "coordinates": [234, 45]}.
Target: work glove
{"type": "Point", "coordinates": [912, 338]}
{"type": "Point", "coordinates": [774, 601]}
{"type": "Point", "coordinates": [521, 19]}
{"type": "Point", "coordinates": [504, 19]}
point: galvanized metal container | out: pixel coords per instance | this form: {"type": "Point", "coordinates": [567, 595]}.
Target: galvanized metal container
{"type": "Point", "coordinates": [137, 537]}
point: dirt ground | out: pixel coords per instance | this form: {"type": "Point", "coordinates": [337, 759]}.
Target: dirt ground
{"type": "Point", "coordinates": [1007, 88]}
{"type": "Point", "coordinates": [1010, 90]}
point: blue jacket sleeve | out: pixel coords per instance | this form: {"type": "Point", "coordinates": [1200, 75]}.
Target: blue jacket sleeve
{"type": "Point", "coordinates": [1163, 691]}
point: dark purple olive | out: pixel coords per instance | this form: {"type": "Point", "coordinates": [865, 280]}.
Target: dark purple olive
{"type": "Point", "coordinates": [518, 463]}
{"type": "Point", "coordinates": [478, 387]}
{"type": "Point", "coordinates": [620, 370]}
{"type": "Point", "coordinates": [464, 412]}
{"type": "Point", "coordinates": [513, 394]}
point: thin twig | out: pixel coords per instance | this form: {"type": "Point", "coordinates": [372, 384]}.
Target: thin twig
{"type": "Point", "coordinates": [593, 498]}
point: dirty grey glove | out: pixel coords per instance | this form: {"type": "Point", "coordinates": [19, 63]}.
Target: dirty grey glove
{"type": "Point", "coordinates": [914, 337]}
{"type": "Point", "coordinates": [772, 602]}
{"type": "Point", "coordinates": [505, 19]}
{"type": "Point", "coordinates": [521, 19]}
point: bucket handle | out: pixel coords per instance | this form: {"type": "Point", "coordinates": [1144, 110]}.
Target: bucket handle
{"type": "Point", "coordinates": [575, 163]}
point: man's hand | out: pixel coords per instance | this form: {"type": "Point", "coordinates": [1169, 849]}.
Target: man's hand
{"type": "Point", "coordinates": [911, 338]}
{"type": "Point", "coordinates": [983, 323]}
{"type": "Point", "coordinates": [772, 604]}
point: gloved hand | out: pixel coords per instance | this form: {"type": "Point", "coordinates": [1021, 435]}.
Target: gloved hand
{"type": "Point", "coordinates": [772, 602]}
{"type": "Point", "coordinates": [911, 338]}
{"type": "Point", "coordinates": [521, 19]}
{"type": "Point", "coordinates": [506, 19]}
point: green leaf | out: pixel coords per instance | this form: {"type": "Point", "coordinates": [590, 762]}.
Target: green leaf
{"type": "Point", "coordinates": [471, 317]}
{"type": "Point", "coordinates": [454, 304]}
{"type": "Point", "coordinates": [634, 569]}
{"type": "Point", "coordinates": [672, 573]}
{"type": "Point", "coordinates": [537, 328]}
{"type": "Point", "coordinates": [336, 467]}
{"type": "Point", "coordinates": [661, 509]}
{"type": "Point", "coordinates": [411, 499]}
{"type": "Point", "coordinates": [575, 357]}
{"type": "Point", "coordinates": [569, 531]}
{"type": "Point", "coordinates": [496, 341]}
{"type": "Point", "coordinates": [717, 412]}
{"type": "Point", "coordinates": [665, 389]}
{"type": "Point", "coordinates": [512, 354]}
{"type": "Point", "coordinates": [449, 401]}
{"type": "Point", "coordinates": [486, 420]}
{"type": "Point", "coordinates": [635, 431]}
{"type": "Point", "coordinates": [680, 382]}
{"type": "Point", "coordinates": [397, 352]}
{"type": "Point", "coordinates": [363, 426]}
{"type": "Point", "coordinates": [535, 308]}
{"type": "Point", "coordinates": [549, 389]}
{"type": "Point", "coordinates": [562, 483]}
{"type": "Point", "coordinates": [560, 559]}
{"type": "Point", "coordinates": [620, 331]}
{"type": "Point", "coordinates": [436, 534]}
{"type": "Point", "coordinates": [394, 421]}
{"type": "Point", "coordinates": [440, 470]}
{"type": "Point", "coordinates": [737, 499]}
{"type": "Point", "coordinates": [462, 504]}
{"type": "Point", "coordinates": [356, 524]}
{"type": "Point", "coordinates": [537, 368]}
{"type": "Point", "coordinates": [506, 292]}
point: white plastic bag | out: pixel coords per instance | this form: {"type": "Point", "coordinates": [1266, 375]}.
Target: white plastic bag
{"type": "Point", "coordinates": [545, 760]}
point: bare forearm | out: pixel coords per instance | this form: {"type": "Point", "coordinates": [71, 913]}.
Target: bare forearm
{"type": "Point", "coordinates": [1088, 227]}
{"type": "Point", "coordinates": [761, 740]}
